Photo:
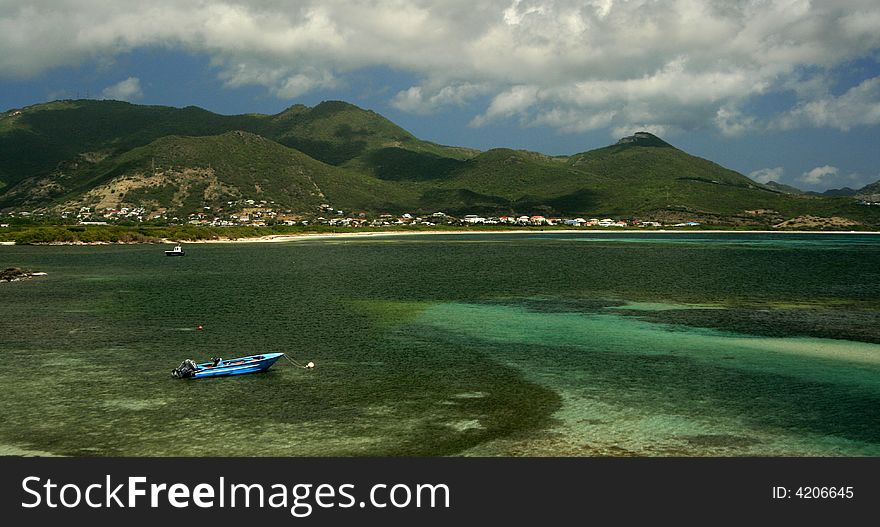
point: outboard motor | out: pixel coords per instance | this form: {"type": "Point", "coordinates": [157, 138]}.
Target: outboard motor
{"type": "Point", "coordinates": [186, 369]}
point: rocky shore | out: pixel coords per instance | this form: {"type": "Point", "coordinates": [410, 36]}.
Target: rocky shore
{"type": "Point", "coordinates": [14, 274]}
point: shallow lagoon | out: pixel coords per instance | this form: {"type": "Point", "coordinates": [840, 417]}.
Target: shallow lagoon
{"type": "Point", "coordinates": [495, 344]}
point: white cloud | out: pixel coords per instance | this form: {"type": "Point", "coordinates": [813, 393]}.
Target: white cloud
{"type": "Point", "coordinates": [860, 105]}
{"type": "Point", "coordinates": [732, 122]}
{"type": "Point", "coordinates": [820, 175]}
{"type": "Point", "coordinates": [427, 99]}
{"type": "Point", "coordinates": [127, 90]}
{"type": "Point", "coordinates": [572, 64]}
{"type": "Point", "coordinates": [825, 177]}
{"type": "Point", "coordinates": [567, 120]}
{"type": "Point", "coordinates": [766, 175]}
{"type": "Point", "coordinates": [514, 101]}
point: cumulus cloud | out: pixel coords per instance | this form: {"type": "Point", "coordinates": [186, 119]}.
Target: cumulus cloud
{"type": "Point", "coordinates": [827, 176]}
{"type": "Point", "coordinates": [514, 101]}
{"type": "Point", "coordinates": [427, 99]}
{"type": "Point", "coordinates": [820, 175]}
{"type": "Point", "coordinates": [281, 82]}
{"type": "Point", "coordinates": [732, 122]}
{"type": "Point", "coordinates": [860, 105]}
{"type": "Point", "coordinates": [766, 175]}
{"type": "Point", "coordinates": [127, 90]}
{"type": "Point", "coordinates": [574, 65]}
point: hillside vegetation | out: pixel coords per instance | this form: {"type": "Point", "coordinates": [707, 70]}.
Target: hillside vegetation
{"type": "Point", "coordinates": [68, 154]}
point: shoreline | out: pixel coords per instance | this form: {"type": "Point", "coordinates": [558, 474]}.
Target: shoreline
{"type": "Point", "coordinates": [276, 238]}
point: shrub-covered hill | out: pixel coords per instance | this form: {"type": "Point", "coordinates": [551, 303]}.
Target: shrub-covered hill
{"type": "Point", "coordinates": [107, 153]}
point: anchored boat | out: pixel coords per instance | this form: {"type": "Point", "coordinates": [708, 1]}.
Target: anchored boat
{"type": "Point", "coordinates": [188, 369]}
{"type": "Point", "coordinates": [177, 251]}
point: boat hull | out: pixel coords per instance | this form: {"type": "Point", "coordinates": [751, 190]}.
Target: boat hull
{"type": "Point", "coordinates": [176, 251]}
{"type": "Point", "coordinates": [238, 366]}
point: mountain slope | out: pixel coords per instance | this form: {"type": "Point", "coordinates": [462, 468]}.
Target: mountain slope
{"type": "Point", "coordinates": [838, 192]}
{"type": "Point", "coordinates": [785, 189]}
{"type": "Point", "coordinates": [515, 181]}
{"type": "Point", "coordinates": [109, 153]}
{"type": "Point", "coordinates": [869, 192]}
{"type": "Point", "coordinates": [639, 174]}
{"type": "Point", "coordinates": [337, 132]}
{"type": "Point", "coordinates": [646, 174]}
{"type": "Point", "coordinates": [187, 173]}
{"type": "Point", "coordinates": [34, 140]}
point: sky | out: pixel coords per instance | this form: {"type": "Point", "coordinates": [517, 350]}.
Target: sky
{"type": "Point", "coordinates": [783, 90]}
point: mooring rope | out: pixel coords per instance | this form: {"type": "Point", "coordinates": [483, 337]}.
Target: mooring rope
{"type": "Point", "coordinates": [308, 366]}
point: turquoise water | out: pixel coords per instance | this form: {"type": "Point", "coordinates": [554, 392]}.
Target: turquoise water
{"type": "Point", "coordinates": [503, 344]}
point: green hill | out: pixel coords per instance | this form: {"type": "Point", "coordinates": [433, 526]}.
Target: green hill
{"type": "Point", "coordinates": [34, 140]}
{"type": "Point", "coordinates": [44, 139]}
{"type": "Point", "coordinates": [869, 192]}
{"type": "Point", "coordinates": [337, 132]}
{"type": "Point", "coordinates": [785, 189]}
{"type": "Point", "coordinates": [515, 180]}
{"type": "Point", "coordinates": [645, 175]}
{"type": "Point", "coordinates": [185, 174]}
{"type": "Point", "coordinates": [108, 153]}
{"type": "Point", "coordinates": [249, 166]}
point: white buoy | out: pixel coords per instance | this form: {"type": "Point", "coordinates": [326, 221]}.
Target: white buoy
{"type": "Point", "coordinates": [308, 366]}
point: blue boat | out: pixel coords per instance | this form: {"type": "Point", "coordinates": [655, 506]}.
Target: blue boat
{"type": "Point", "coordinates": [188, 369]}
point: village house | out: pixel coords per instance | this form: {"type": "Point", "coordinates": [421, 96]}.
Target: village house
{"type": "Point", "coordinates": [538, 220]}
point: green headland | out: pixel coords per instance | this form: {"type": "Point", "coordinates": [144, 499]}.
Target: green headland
{"type": "Point", "coordinates": [134, 167]}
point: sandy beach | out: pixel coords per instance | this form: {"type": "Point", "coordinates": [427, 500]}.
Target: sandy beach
{"type": "Point", "coordinates": [275, 238]}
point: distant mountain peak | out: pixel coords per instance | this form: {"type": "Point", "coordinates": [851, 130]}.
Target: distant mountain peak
{"type": "Point", "coordinates": [869, 192]}
{"type": "Point", "coordinates": [781, 187]}
{"type": "Point", "coordinates": [838, 192]}
{"type": "Point", "coordinates": [296, 108]}
{"type": "Point", "coordinates": [644, 139]}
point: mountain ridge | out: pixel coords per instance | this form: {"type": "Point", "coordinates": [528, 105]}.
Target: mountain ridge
{"type": "Point", "coordinates": [643, 139]}
{"type": "Point", "coordinates": [61, 154]}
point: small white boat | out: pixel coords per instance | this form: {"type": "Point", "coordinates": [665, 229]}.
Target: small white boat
{"type": "Point", "coordinates": [177, 251]}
